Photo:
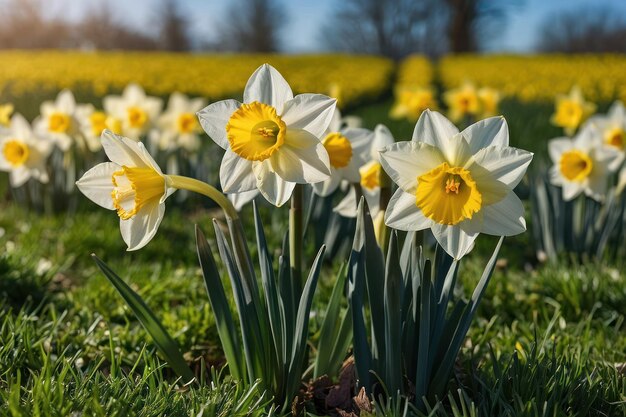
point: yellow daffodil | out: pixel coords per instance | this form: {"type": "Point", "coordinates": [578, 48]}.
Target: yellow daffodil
{"type": "Point", "coordinates": [136, 111]}
{"type": "Point", "coordinates": [6, 110]}
{"type": "Point", "coordinates": [58, 120]}
{"type": "Point", "coordinates": [456, 184]}
{"type": "Point", "coordinates": [462, 102]}
{"type": "Point", "coordinates": [273, 139]}
{"type": "Point", "coordinates": [411, 102]}
{"type": "Point", "coordinates": [489, 100]}
{"type": "Point", "coordinates": [179, 126]}
{"type": "Point", "coordinates": [348, 149]}
{"type": "Point", "coordinates": [93, 122]}
{"type": "Point", "coordinates": [582, 164]}
{"type": "Point", "coordinates": [132, 184]}
{"type": "Point", "coordinates": [22, 153]}
{"type": "Point", "coordinates": [571, 110]}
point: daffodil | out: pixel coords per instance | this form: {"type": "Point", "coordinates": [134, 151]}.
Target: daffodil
{"type": "Point", "coordinates": [462, 102]}
{"type": "Point", "coordinates": [411, 102]}
{"type": "Point", "coordinates": [93, 122]}
{"type": "Point", "coordinates": [179, 127]}
{"type": "Point", "coordinates": [137, 111]}
{"type": "Point", "coordinates": [6, 110]}
{"type": "Point", "coordinates": [58, 120]}
{"type": "Point", "coordinates": [489, 100]}
{"type": "Point", "coordinates": [273, 139]}
{"type": "Point", "coordinates": [131, 184]}
{"type": "Point", "coordinates": [456, 184]}
{"type": "Point", "coordinates": [372, 177]}
{"type": "Point", "coordinates": [582, 164]}
{"type": "Point", "coordinates": [611, 128]}
{"type": "Point", "coordinates": [239, 200]}
{"type": "Point", "coordinates": [22, 153]}
{"type": "Point", "coordinates": [571, 110]}
{"type": "Point", "coordinates": [348, 149]}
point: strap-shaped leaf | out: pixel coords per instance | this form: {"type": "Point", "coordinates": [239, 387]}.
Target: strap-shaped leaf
{"type": "Point", "coordinates": [163, 341]}
{"type": "Point", "coordinates": [393, 319]}
{"type": "Point", "coordinates": [219, 304]}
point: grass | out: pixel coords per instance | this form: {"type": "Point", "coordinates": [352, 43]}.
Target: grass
{"type": "Point", "coordinates": [547, 340]}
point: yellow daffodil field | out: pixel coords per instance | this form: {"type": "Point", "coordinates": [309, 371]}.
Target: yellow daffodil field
{"type": "Point", "coordinates": [312, 235]}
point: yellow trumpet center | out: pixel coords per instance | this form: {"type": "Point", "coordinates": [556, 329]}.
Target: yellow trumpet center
{"type": "Point", "coordinates": [187, 123]}
{"type": "Point", "coordinates": [137, 117]}
{"type": "Point", "coordinates": [575, 165]}
{"type": "Point", "coordinates": [135, 187]}
{"type": "Point", "coordinates": [339, 149]}
{"type": "Point", "coordinates": [59, 122]}
{"type": "Point", "coordinates": [98, 122]}
{"type": "Point", "coordinates": [370, 176]}
{"type": "Point", "coordinates": [448, 195]}
{"type": "Point", "coordinates": [615, 137]}
{"type": "Point", "coordinates": [15, 152]}
{"type": "Point", "coordinates": [255, 131]}
{"type": "Point", "coordinates": [569, 113]}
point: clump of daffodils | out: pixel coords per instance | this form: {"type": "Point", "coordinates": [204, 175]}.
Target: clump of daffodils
{"type": "Point", "coordinates": [412, 101]}
{"type": "Point", "coordinates": [468, 103]}
{"type": "Point", "coordinates": [458, 184]}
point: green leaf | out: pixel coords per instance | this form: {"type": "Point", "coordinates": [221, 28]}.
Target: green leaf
{"type": "Point", "coordinates": [219, 304]}
{"type": "Point", "coordinates": [392, 297]}
{"type": "Point", "coordinates": [163, 341]}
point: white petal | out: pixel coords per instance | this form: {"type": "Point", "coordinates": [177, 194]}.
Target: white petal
{"type": "Point", "coordinates": [571, 190]}
{"type": "Point", "coordinates": [382, 138]}
{"type": "Point", "coordinates": [301, 159]}
{"type": "Point", "coordinates": [507, 165]}
{"type": "Point", "coordinates": [557, 146]}
{"type": "Point", "coordinates": [141, 228]}
{"type": "Point", "coordinates": [311, 112]}
{"type": "Point", "coordinates": [236, 173]}
{"type": "Point", "coordinates": [275, 190]}
{"type": "Point", "coordinates": [405, 161]}
{"type": "Point", "coordinates": [327, 187]}
{"type": "Point", "coordinates": [19, 126]}
{"type": "Point", "coordinates": [133, 94]}
{"type": "Point", "coordinates": [214, 118]}
{"type": "Point", "coordinates": [122, 151]}
{"type": "Point", "coordinates": [267, 86]}
{"type": "Point", "coordinates": [65, 102]}
{"type": "Point", "coordinates": [97, 184]}
{"type": "Point", "coordinates": [489, 132]}
{"type": "Point", "coordinates": [348, 205]}
{"type": "Point", "coordinates": [241, 199]}
{"type": "Point", "coordinates": [454, 240]}
{"type": "Point", "coordinates": [505, 218]}
{"type": "Point", "coordinates": [19, 176]}
{"type": "Point", "coordinates": [372, 197]}
{"type": "Point", "coordinates": [403, 214]}
{"type": "Point", "coordinates": [433, 128]}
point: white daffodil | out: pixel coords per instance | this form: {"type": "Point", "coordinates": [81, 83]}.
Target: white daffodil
{"type": "Point", "coordinates": [272, 140]}
{"type": "Point", "coordinates": [132, 184]}
{"type": "Point", "coordinates": [370, 175]}
{"type": "Point", "coordinates": [348, 150]}
{"type": "Point", "coordinates": [179, 124]}
{"type": "Point", "coordinates": [456, 184]}
{"type": "Point", "coordinates": [582, 164]}
{"type": "Point", "coordinates": [22, 153]}
{"type": "Point", "coordinates": [93, 122]}
{"type": "Point", "coordinates": [136, 111]}
{"type": "Point", "coordinates": [58, 120]}
{"type": "Point", "coordinates": [611, 128]}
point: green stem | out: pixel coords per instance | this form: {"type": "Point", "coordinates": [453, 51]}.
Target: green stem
{"type": "Point", "coordinates": [295, 238]}
{"type": "Point", "coordinates": [196, 186]}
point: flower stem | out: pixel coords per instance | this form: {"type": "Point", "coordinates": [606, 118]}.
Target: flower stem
{"type": "Point", "coordinates": [196, 186]}
{"type": "Point", "coordinates": [295, 238]}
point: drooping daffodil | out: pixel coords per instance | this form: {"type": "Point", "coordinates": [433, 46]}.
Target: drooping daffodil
{"type": "Point", "coordinates": [458, 184]}
{"type": "Point", "coordinates": [57, 120]}
{"type": "Point", "coordinates": [272, 140]}
{"type": "Point", "coordinates": [136, 111]}
{"type": "Point", "coordinates": [22, 153]}
{"type": "Point", "coordinates": [571, 110]}
{"type": "Point", "coordinates": [178, 125]}
{"type": "Point", "coordinates": [582, 164]}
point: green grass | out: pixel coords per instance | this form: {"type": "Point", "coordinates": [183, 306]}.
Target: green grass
{"type": "Point", "coordinates": [547, 339]}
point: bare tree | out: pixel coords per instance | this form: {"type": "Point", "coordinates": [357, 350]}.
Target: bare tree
{"type": "Point", "coordinates": [252, 26]}
{"type": "Point", "coordinates": [173, 27]}
{"type": "Point", "coordinates": [584, 30]}
{"type": "Point", "coordinates": [393, 28]}
{"type": "Point", "coordinates": [23, 25]}
{"type": "Point", "coordinates": [473, 22]}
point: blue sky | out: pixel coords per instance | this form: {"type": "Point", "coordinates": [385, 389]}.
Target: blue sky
{"type": "Point", "coordinates": [306, 16]}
